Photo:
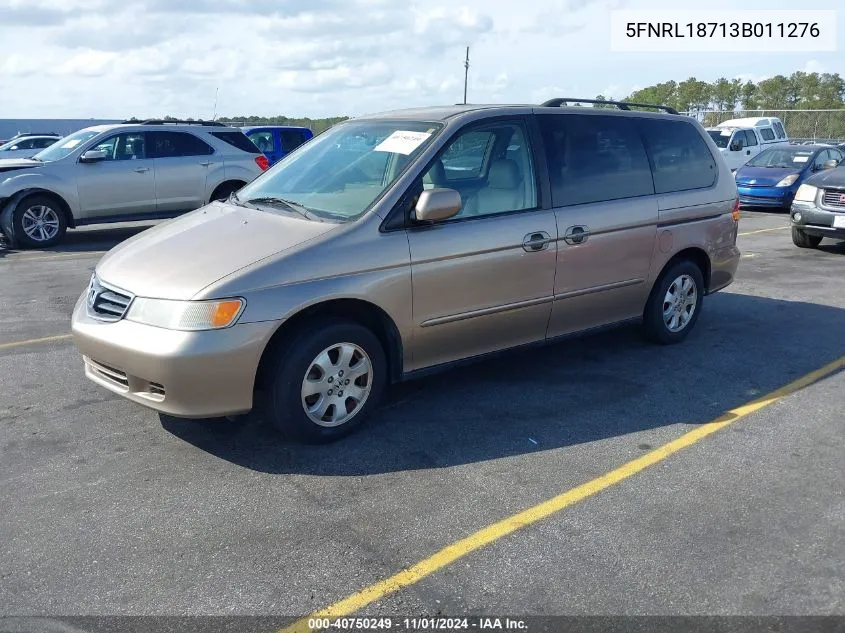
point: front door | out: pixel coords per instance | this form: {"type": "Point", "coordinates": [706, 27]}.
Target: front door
{"type": "Point", "coordinates": [121, 184]}
{"type": "Point", "coordinates": [182, 163]}
{"type": "Point", "coordinates": [603, 195]}
{"type": "Point", "coordinates": [482, 281]}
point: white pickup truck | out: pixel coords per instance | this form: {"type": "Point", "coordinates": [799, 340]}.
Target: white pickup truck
{"type": "Point", "coordinates": [740, 140]}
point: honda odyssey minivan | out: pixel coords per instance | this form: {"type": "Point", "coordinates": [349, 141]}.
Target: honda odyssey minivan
{"type": "Point", "coordinates": [403, 242]}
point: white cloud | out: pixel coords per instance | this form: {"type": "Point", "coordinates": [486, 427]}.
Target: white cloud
{"type": "Point", "coordinates": [110, 58]}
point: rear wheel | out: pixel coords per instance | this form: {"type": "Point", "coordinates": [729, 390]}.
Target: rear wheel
{"type": "Point", "coordinates": [39, 221]}
{"type": "Point", "coordinates": [802, 240]}
{"type": "Point", "coordinates": [674, 304]}
{"type": "Point", "coordinates": [225, 190]}
{"type": "Point", "coordinates": [328, 380]}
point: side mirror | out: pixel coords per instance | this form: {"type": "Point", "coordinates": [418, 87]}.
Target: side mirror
{"type": "Point", "coordinates": [736, 146]}
{"type": "Point", "coordinates": [436, 205]}
{"type": "Point", "coordinates": [830, 164]}
{"type": "Point", "coordinates": [93, 156]}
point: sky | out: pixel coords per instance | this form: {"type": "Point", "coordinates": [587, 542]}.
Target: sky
{"type": "Point", "coordinates": [318, 58]}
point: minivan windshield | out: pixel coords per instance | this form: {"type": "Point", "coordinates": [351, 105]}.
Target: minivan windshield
{"type": "Point", "coordinates": [65, 146]}
{"type": "Point", "coordinates": [720, 137]}
{"type": "Point", "coordinates": [339, 174]}
{"type": "Point", "coordinates": [782, 157]}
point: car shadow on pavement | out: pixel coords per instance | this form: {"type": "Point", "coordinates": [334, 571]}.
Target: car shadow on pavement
{"type": "Point", "coordinates": [568, 393]}
{"type": "Point", "coordinates": [82, 240]}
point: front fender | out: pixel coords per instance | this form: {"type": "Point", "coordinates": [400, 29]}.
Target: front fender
{"type": "Point", "coordinates": [28, 182]}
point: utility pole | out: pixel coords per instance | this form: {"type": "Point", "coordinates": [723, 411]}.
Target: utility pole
{"type": "Point", "coordinates": [216, 93]}
{"type": "Point", "coordinates": [466, 75]}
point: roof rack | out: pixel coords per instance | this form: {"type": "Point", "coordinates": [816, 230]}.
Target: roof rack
{"type": "Point", "coordinates": [177, 121]}
{"type": "Point", "coordinates": [622, 105]}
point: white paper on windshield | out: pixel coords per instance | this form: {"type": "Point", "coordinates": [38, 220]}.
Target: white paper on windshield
{"type": "Point", "coordinates": [402, 142]}
{"type": "Point", "coordinates": [800, 159]}
{"type": "Point", "coordinates": [726, 132]}
{"type": "Point", "coordinates": [71, 143]}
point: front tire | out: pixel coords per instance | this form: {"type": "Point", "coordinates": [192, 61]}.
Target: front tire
{"type": "Point", "coordinates": [328, 379]}
{"type": "Point", "coordinates": [674, 304]}
{"type": "Point", "coordinates": [39, 221]}
{"type": "Point", "coordinates": [803, 240]}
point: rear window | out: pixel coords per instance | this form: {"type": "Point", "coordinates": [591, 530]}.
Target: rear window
{"type": "Point", "coordinates": [237, 139]}
{"type": "Point", "coordinates": [680, 158]}
{"type": "Point", "coordinates": [767, 134]}
{"type": "Point", "coordinates": [291, 139]}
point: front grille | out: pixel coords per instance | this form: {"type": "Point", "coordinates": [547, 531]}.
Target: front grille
{"type": "Point", "coordinates": [833, 198]}
{"type": "Point", "coordinates": [105, 302]}
{"type": "Point", "coordinates": [109, 373]}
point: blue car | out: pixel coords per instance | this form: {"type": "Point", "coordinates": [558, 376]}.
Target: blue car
{"type": "Point", "coordinates": [771, 178]}
{"type": "Point", "coordinates": [277, 141]}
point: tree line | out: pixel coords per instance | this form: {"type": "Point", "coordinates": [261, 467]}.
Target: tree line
{"type": "Point", "coordinates": [800, 90]}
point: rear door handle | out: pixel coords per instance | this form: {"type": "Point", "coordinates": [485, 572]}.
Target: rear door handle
{"type": "Point", "coordinates": [537, 241]}
{"type": "Point", "coordinates": [142, 170]}
{"type": "Point", "coordinates": [576, 235]}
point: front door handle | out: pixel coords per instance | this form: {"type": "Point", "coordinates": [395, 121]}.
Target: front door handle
{"type": "Point", "coordinates": [142, 170]}
{"type": "Point", "coordinates": [576, 235]}
{"type": "Point", "coordinates": [205, 163]}
{"type": "Point", "coordinates": [748, 152]}
{"type": "Point", "coordinates": [538, 241]}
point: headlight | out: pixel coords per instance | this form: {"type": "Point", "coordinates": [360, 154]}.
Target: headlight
{"type": "Point", "coordinates": [806, 193]}
{"type": "Point", "coordinates": [186, 315]}
{"type": "Point", "coordinates": [789, 180]}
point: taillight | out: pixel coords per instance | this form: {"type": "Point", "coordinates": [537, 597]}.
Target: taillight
{"type": "Point", "coordinates": [262, 162]}
{"type": "Point", "coordinates": [735, 210]}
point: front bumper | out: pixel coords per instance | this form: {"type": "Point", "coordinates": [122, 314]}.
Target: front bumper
{"type": "Point", "coordinates": [765, 196]}
{"type": "Point", "coordinates": [184, 374]}
{"type": "Point", "coordinates": [817, 221]}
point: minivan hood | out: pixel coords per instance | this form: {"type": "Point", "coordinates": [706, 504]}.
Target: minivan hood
{"type": "Point", "coordinates": [177, 259]}
{"type": "Point", "coordinates": [763, 176]}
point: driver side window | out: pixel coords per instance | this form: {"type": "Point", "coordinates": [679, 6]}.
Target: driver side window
{"type": "Point", "coordinates": [123, 147]}
{"type": "Point", "coordinates": [491, 167]}
{"type": "Point", "coordinates": [739, 139]}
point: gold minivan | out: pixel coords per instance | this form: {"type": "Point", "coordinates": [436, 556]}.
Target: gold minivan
{"type": "Point", "coordinates": [394, 244]}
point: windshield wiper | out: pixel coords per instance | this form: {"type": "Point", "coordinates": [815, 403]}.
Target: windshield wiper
{"type": "Point", "coordinates": [286, 204]}
{"type": "Point", "coordinates": [38, 159]}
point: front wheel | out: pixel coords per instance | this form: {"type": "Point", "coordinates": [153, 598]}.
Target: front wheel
{"type": "Point", "coordinates": [803, 240]}
{"type": "Point", "coordinates": [674, 304]}
{"type": "Point", "coordinates": [39, 221]}
{"type": "Point", "coordinates": [328, 379]}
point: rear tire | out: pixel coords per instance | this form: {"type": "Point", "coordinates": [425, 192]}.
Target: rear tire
{"type": "Point", "coordinates": [39, 221]}
{"type": "Point", "coordinates": [803, 240]}
{"type": "Point", "coordinates": [674, 304]}
{"type": "Point", "coordinates": [225, 190]}
{"type": "Point", "coordinates": [328, 379]}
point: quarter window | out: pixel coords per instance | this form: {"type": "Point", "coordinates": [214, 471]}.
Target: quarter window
{"type": "Point", "coordinates": [594, 158]}
{"type": "Point", "coordinates": [176, 144]}
{"type": "Point", "coordinates": [679, 156]}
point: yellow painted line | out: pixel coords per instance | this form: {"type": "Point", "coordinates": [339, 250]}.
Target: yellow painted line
{"type": "Point", "coordinates": [35, 341]}
{"type": "Point", "coordinates": [39, 258]}
{"type": "Point", "coordinates": [777, 228]}
{"type": "Point", "coordinates": [494, 532]}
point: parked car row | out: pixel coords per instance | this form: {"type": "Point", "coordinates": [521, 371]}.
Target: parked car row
{"type": "Point", "coordinates": [130, 171]}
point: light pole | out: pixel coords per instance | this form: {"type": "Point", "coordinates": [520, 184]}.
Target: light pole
{"type": "Point", "coordinates": [466, 75]}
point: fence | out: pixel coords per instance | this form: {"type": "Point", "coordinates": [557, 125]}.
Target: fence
{"type": "Point", "coordinates": [801, 125]}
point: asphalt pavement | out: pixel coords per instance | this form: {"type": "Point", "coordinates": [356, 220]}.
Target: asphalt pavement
{"type": "Point", "coordinates": [107, 508]}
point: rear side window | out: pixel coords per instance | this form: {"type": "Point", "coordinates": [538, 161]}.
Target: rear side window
{"type": "Point", "coordinates": [176, 144]}
{"type": "Point", "coordinates": [679, 155]}
{"type": "Point", "coordinates": [291, 139]}
{"type": "Point", "coordinates": [594, 158]}
{"type": "Point", "coordinates": [237, 139]}
{"type": "Point", "coordinates": [767, 134]}
{"type": "Point", "coordinates": [750, 138]}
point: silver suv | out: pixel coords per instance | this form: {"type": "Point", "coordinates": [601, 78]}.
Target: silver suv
{"type": "Point", "coordinates": [129, 171]}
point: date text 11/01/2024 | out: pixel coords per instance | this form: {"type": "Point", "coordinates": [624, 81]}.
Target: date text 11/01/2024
{"type": "Point", "coordinates": [722, 29]}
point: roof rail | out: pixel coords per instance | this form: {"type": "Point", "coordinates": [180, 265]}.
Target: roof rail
{"type": "Point", "coordinates": [622, 105]}
{"type": "Point", "coordinates": [20, 134]}
{"type": "Point", "coordinates": [177, 121]}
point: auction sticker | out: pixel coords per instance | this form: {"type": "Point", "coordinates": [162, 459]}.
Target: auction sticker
{"type": "Point", "coordinates": [402, 142]}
